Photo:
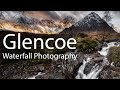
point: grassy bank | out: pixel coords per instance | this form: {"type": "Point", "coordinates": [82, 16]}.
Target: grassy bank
{"type": "Point", "coordinates": [114, 55]}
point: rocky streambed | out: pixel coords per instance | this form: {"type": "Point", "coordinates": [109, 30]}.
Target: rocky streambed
{"type": "Point", "coordinates": [97, 66]}
{"type": "Point", "coordinates": [86, 66]}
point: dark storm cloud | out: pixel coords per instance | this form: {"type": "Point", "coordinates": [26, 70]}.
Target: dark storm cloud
{"type": "Point", "coordinates": [52, 15]}
{"type": "Point", "coordinates": [76, 14]}
{"type": "Point", "coordinates": [56, 15]}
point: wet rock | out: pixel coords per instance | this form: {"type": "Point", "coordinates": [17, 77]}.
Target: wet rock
{"type": "Point", "coordinates": [105, 44]}
{"type": "Point", "coordinates": [41, 68]}
{"type": "Point", "coordinates": [117, 43]}
{"type": "Point", "coordinates": [54, 74]}
{"type": "Point", "coordinates": [97, 58]}
{"type": "Point", "coordinates": [69, 66]}
{"type": "Point", "coordinates": [39, 77]}
{"type": "Point", "coordinates": [88, 67]}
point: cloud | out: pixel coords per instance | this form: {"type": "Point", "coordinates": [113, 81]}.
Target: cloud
{"type": "Point", "coordinates": [53, 15]}
{"type": "Point", "coordinates": [59, 15]}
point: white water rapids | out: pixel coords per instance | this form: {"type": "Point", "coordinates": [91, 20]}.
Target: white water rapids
{"type": "Point", "coordinates": [33, 77]}
{"type": "Point", "coordinates": [97, 68]}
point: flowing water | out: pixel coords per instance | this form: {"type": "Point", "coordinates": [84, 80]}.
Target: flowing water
{"type": "Point", "coordinates": [97, 68]}
{"type": "Point", "coordinates": [33, 77]}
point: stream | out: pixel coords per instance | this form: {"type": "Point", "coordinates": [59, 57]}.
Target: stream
{"type": "Point", "coordinates": [98, 67]}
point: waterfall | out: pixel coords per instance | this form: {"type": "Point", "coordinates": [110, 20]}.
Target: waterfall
{"type": "Point", "coordinates": [97, 68]}
{"type": "Point", "coordinates": [93, 73]}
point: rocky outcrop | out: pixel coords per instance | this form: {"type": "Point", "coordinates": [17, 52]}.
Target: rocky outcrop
{"type": "Point", "coordinates": [70, 67]}
{"type": "Point", "coordinates": [96, 58]}
{"type": "Point", "coordinates": [110, 72]}
{"type": "Point", "coordinates": [24, 69]}
{"type": "Point", "coordinates": [63, 69]}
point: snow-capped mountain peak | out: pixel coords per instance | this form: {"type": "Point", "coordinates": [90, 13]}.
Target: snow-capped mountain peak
{"type": "Point", "coordinates": [92, 23]}
{"type": "Point", "coordinates": [90, 18]}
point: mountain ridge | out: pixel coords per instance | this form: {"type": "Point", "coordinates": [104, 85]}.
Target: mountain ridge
{"type": "Point", "coordinates": [92, 23]}
{"type": "Point", "coordinates": [25, 22]}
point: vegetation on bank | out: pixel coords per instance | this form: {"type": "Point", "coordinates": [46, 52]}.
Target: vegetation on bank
{"type": "Point", "coordinates": [87, 46]}
{"type": "Point", "coordinates": [85, 43]}
{"type": "Point", "coordinates": [114, 55]}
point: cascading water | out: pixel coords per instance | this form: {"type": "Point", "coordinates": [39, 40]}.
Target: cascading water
{"type": "Point", "coordinates": [33, 77]}
{"type": "Point", "coordinates": [97, 68]}
{"type": "Point", "coordinates": [93, 73]}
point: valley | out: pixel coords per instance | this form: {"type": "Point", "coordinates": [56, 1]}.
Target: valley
{"type": "Point", "coordinates": [97, 50]}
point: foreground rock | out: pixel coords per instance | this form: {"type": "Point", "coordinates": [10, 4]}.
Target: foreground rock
{"type": "Point", "coordinates": [62, 69]}
{"type": "Point", "coordinates": [110, 72]}
{"type": "Point", "coordinates": [32, 69]}
{"type": "Point", "coordinates": [70, 67]}
{"type": "Point", "coordinates": [96, 58]}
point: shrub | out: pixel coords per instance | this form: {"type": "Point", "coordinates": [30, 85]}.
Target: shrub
{"type": "Point", "coordinates": [87, 46]}
{"type": "Point", "coordinates": [114, 54]}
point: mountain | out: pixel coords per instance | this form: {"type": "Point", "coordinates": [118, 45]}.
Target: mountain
{"type": "Point", "coordinates": [19, 21]}
{"type": "Point", "coordinates": [32, 22]}
{"type": "Point", "coordinates": [91, 24]}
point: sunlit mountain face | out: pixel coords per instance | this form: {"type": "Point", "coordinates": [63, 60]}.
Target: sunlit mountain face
{"type": "Point", "coordinates": [33, 21]}
{"type": "Point", "coordinates": [48, 22]}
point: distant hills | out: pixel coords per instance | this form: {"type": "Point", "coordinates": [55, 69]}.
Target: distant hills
{"type": "Point", "coordinates": [29, 22]}
{"type": "Point", "coordinates": [91, 24]}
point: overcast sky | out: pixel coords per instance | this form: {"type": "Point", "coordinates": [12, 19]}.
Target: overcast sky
{"type": "Point", "coordinates": [58, 15]}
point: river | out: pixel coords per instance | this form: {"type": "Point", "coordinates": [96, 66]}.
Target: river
{"type": "Point", "coordinates": [98, 67]}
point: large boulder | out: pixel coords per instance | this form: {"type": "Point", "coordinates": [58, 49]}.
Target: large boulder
{"type": "Point", "coordinates": [96, 58]}
{"type": "Point", "coordinates": [70, 67]}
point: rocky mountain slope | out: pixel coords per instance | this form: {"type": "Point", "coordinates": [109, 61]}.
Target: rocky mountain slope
{"type": "Point", "coordinates": [19, 21]}
{"type": "Point", "coordinates": [91, 24]}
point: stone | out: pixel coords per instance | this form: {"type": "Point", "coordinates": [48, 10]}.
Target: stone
{"type": "Point", "coordinates": [70, 66]}
{"type": "Point", "coordinates": [41, 68]}
{"type": "Point", "coordinates": [88, 67]}
{"type": "Point", "coordinates": [109, 72]}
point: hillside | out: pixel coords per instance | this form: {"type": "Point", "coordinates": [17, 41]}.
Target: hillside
{"type": "Point", "coordinates": [91, 24]}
